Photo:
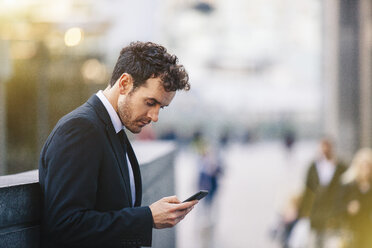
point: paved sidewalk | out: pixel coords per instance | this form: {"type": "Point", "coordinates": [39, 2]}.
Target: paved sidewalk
{"type": "Point", "coordinates": [257, 182]}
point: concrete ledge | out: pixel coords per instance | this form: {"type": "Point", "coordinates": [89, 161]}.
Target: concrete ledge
{"type": "Point", "coordinates": [149, 151]}
{"type": "Point", "coordinates": [19, 210]}
{"type": "Point", "coordinates": [21, 238]}
{"type": "Point", "coordinates": [20, 204]}
{"type": "Point", "coordinates": [27, 177]}
{"type": "Point", "coordinates": [158, 181]}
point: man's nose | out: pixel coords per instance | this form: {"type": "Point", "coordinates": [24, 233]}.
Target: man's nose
{"type": "Point", "coordinates": [154, 114]}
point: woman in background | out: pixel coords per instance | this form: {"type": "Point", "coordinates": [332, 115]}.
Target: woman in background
{"type": "Point", "coordinates": [356, 199]}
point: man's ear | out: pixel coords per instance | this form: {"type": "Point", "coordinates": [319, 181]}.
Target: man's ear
{"type": "Point", "coordinates": [125, 83]}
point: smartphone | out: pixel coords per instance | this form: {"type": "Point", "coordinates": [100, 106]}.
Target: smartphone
{"type": "Point", "coordinates": [198, 196]}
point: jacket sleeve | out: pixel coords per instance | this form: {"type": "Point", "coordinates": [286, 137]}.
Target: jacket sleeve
{"type": "Point", "coordinates": [308, 194]}
{"type": "Point", "coordinates": [70, 164]}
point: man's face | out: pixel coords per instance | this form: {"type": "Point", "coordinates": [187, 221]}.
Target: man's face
{"type": "Point", "coordinates": [365, 170]}
{"type": "Point", "coordinates": [141, 106]}
{"type": "Point", "coordinates": [326, 148]}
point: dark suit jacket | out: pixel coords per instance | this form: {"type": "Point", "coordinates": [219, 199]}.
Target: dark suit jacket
{"type": "Point", "coordinates": [85, 187]}
{"type": "Point", "coordinates": [319, 201]}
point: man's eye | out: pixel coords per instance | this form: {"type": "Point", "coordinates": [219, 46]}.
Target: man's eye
{"type": "Point", "coordinates": [150, 104]}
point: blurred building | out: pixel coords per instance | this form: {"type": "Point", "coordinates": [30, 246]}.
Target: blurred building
{"type": "Point", "coordinates": [253, 68]}
{"type": "Point", "coordinates": [257, 67]}
{"type": "Point", "coordinates": [51, 61]}
{"type": "Point", "coordinates": [347, 73]}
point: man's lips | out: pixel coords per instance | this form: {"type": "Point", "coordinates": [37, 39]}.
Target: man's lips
{"type": "Point", "coordinates": [142, 123]}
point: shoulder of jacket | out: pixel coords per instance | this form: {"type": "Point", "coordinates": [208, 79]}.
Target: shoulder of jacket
{"type": "Point", "coordinates": [81, 118]}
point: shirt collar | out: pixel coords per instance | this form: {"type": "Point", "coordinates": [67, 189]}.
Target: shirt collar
{"type": "Point", "coordinates": [116, 122]}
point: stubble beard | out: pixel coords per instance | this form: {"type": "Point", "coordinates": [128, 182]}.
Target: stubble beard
{"type": "Point", "coordinates": [125, 114]}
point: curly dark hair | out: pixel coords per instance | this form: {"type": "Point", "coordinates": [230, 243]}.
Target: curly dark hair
{"type": "Point", "coordinates": [144, 60]}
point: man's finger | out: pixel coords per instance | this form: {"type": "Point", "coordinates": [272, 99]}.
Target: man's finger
{"type": "Point", "coordinates": [183, 213]}
{"type": "Point", "coordinates": [189, 209]}
{"type": "Point", "coordinates": [172, 199]}
{"type": "Point", "coordinates": [186, 205]}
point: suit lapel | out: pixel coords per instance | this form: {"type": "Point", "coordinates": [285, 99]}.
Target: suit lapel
{"type": "Point", "coordinates": [336, 174]}
{"type": "Point", "coordinates": [121, 158]}
{"type": "Point", "coordinates": [114, 141]}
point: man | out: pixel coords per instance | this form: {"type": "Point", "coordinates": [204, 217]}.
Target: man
{"type": "Point", "coordinates": [89, 175]}
{"type": "Point", "coordinates": [320, 196]}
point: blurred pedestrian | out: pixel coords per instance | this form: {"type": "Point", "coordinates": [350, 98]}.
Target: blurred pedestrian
{"type": "Point", "coordinates": [289, 140]}
{"type": "Point", "coordinates": [321, 189]}
{"type": "Point", "coordinates": [356, 199]}
{"type": "Point", "coordinates": [209, 164]}
{"type": "Point", "coordinates": [209, 172]}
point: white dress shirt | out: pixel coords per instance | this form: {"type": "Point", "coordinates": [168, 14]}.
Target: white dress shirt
{"type": "Point", "coordinates": [118, 126]}
{"type": "Point", "coordinates": [325, 169]}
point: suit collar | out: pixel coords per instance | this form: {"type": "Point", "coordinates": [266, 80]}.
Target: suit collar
{"type": "Point", "coordinates": [116, 122]}
{"type": "Point", "coordinates": [100, 109]}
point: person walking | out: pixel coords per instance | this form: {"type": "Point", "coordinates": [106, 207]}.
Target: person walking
{"type": "Point", "coordinates": [355, 200]}
{"type": "Point", "coordinates": [321, 189]}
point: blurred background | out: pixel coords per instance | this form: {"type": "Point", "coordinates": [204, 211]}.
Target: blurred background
{"type": "Point", "coordinates": [269, 80]}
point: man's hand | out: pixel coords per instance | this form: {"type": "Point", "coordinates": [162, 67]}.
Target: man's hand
{"type": "Point", "coordinates": [168, 211]}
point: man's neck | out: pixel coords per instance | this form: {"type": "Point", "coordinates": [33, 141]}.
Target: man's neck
{"type": "Point", "coordinates": [112, 96]}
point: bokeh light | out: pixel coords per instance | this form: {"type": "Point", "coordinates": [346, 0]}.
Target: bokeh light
{"type": "Point", "coordinates": [73, 36]}
{"type": "Point", "coordinates": [93, 71]}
